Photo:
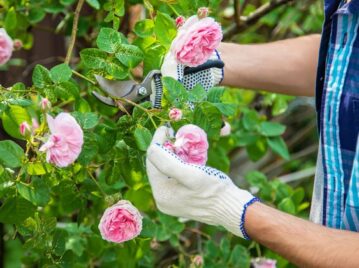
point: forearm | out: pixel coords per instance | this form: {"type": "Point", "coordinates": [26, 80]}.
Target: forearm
{"type": "Point", "coordinates": [302, 242]}
{"type": "Point", "coordinates": [287, 66]}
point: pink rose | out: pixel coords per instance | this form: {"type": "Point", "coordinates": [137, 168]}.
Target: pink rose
{"type": "Point", "coordinates": [197, 260]}
{"type": "Point", "coordinates": [191, 144]}
{"type": "Point", "coordinates": [24, 128]}
{"type": "Point", "coordinates": [45, 104]}
{"type": "Point", "coordinates": [121, 222]}
{"type": "Point", "coordinates": [65, 142]}
{"type": "Point", "coordinates": [202, 12]}
{"type": "Point", "coordinates": [264, 263]}
{"type": "Point", "coordinates": [180, 21]}
{"type": "Point", "coordinates": [6, 46]}
{"type": "Point", "coordinates": [168, 145]}
{"type": "Point", "coordinates": [196, 41]}
{"type": "Point", "coordinates": [226, 130]}
{"type": "Point", "coordinates": [175, 114]}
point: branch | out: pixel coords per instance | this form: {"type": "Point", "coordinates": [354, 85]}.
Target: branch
{"type": "Point", "coordinates": [74, 31]}
{"type": "Point", "coordinates": [238, 11]}
{"type": "Point", "coordinates": [245, 22]}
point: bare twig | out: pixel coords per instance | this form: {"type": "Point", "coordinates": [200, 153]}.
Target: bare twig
{"type": "Point", "coordinates": [238, 10]}
{"type": "Point", "coordinates": [245, 22]}
{"type": "Point", "coordinates": [74, 31]}
{"type": "Point", "coordinates": [299, 175]}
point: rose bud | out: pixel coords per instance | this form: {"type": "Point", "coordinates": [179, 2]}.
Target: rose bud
{"type": "Point", "coordinates": [175, 114]}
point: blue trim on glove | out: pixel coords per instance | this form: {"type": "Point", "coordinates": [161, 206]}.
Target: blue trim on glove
{"type": "Point", "coordinates": [241, 226]}
{"type": "Point", "coordinates": [219, 57]}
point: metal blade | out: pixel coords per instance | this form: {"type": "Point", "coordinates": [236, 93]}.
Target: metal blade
{"type": "Point", "coordinates": [106, 100]}
{"type": "Point", "coordinates": [115, 88]}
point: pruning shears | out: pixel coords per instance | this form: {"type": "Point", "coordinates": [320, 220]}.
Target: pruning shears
{"type": "Point", "coordinates": [151, 86]}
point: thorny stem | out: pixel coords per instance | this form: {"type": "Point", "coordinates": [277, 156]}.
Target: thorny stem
{"type": "Point", "coordinates": [83, 77]}
{"type": "Point", "coordinates": [74, 31]}
{"type": "Point", "coordinates": [28, 146]}
{"type": "Point", "coordinates": [96, 182]}
{"type": "Point", "coordinates": [140, 107]}
{"type": "Point", "coordinates": [174, 10]}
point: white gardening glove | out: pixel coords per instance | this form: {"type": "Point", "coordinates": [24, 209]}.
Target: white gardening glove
{"type": "Point", "coordinates": [207, 78]}
{"type": "Point", "coordinates": [195, 192]}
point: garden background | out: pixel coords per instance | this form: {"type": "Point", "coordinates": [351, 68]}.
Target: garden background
{"type": "Point", "coordinates": [49, 215]}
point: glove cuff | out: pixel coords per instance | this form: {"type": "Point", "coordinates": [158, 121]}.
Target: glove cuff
{"type": "Point", "coordinates": [217, 73]}
{"type": "Point", "coordinates": [231, 207]}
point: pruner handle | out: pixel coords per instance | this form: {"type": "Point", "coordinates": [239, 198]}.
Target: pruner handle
{"type": "Point", "coordinates": [207, 65]}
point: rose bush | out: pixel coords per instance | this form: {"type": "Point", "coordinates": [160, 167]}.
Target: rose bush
{"type": "Point", "coordinates": [68, 161]}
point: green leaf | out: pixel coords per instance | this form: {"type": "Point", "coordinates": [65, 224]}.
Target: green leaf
{"type": "Point", "coordinates": [169, 226]}
{"type": "Point", "coordinates": [76, 244]}
{"type": "Point", "coordinates": [250, 120]}
{"type": "Point", "coordinates": [15, 210]}
{"type": "Point", "coordinates": [227, 109]}
{"type": "Point", "coordinates": [217, 158]}
{"type": "Point", "coordinates": [271, 129]}
{"type": "Point", "coordinates": [69, 199]}
{"type": "Point", "coordinates": [240, 257]}
{"type": "Point", "coordinates": [36, 15]}
{"type": "Point", "coordinates": [86, 120]}
{"type": "Point", "coordinates": [119, 7]}
{"type": "Point", "coordinates": [89, 148]}
{"type": "Point", "coordinates": [298, 196]}
{"type": "Point", "coordinates": [94, 3]}
{"type": "Point", "coordinates": [215, 94]}
{"type": "Point", "coordinates": [141, 198]}
{"type": "Point", "coordinates": [41, 76]}
{"type": "Point", "coordinates": [108, 40]}
{"type": "Point", "coordinates": [143, 138]}
{"type": "Point", "coordinates": [257, 149]}
{"type": "Point", "coordinates": [37, 192]}
{"type": "Point", "coordinates": [174, 91]}
{"type": "Point", "coordinates": [11, 154]}
{"type": "Point", "coordinates": [197, 94]}
{"type": "Point", "coordinates": [256, 178]}
{"type": "Point", "coordinates": [36, 168]}
{"type": "Point", "coordinates": [287, 205]}
{"type": "Point", "coordinates": [61, 73]}
{"type": "Point", "coordinates": [59, 241]}
{"type": "Point", "coordinates": [115, 68]}
{"type": "Point", "coordinates": [93, 58]}
{"type": "Point", "coordinates": [129, 55]}
{"type": "Point", "coordinates": [10, 19]}
{"type": "Point", "coordinates": [153, 58]}
{"type": "Point", "coordinates": [225, 247]}
{"type": "Point", "coordinates": [66, 90]}
{"type": "Point", "coordinates": [165, 29]}
{"type": "Point", "coordinates": [12, 119]}
{"type": "Point", "coordinates": [20, 102]}
{"type": "Point", "coordinates": [144, 28]}
{"type": "Point", "coordinates": [278, 145]}
{"type": "Point", "coordinates": [209, 118]}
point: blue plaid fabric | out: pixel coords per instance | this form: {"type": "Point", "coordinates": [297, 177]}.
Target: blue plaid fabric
{"type": "Point", "coordinates": [337, 99]}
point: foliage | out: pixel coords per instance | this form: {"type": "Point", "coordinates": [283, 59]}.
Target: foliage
{"type": "Point", "coordinates": [51, 215]}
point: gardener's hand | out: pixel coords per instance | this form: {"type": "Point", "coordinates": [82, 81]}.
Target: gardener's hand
{"type": "Point", "coordinates": [195, 192]}
{"type": "Point", "coordinates": [207, 78]}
